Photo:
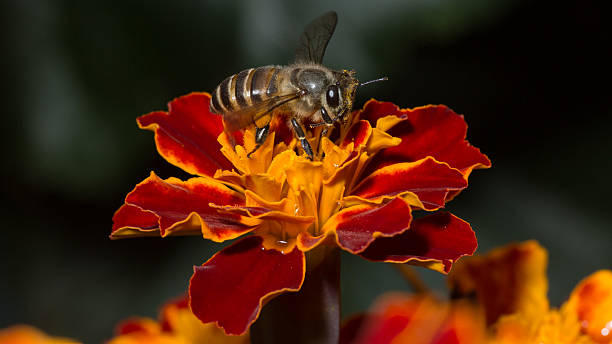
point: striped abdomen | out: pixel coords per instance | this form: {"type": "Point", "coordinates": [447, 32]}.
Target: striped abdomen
{"type": "Point", "coordinates": [247, 88]}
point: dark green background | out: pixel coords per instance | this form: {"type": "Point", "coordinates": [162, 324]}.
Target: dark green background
{"type": "Point", "coordinates": [532, 79]}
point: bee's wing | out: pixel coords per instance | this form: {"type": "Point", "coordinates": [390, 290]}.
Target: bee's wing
{"type": "Point", "coordinates": [250, 115]}
{"type": "Point", "coordinates": [315, 37]}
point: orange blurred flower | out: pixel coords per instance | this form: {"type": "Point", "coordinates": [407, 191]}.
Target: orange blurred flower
{"type": "Point", "coordinates": [419, 319]}
{"type": "Point", "coordinates": [177, 325]}
{"type": "Point", "coordinates": [24, 334]}
{"type": "Point", "coordinates": [510, 285]}
{"type": "Point", "coordinates": [501, 299]}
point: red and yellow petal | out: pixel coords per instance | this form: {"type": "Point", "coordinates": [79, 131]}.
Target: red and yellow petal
{"type": "Point", "coordinates": [509, 279]}
{"type": "Point", "coordinates": [343, 172]}
{"type": "Point", "coordinates": [433, 130]}
{"type": "Point", "coordinates": [358, 226]}
{"type": "Point", "coordinates": [591, 304]}
{"type": "Point", "coordinates": [186, 135]}
{"type": "Point", "coordinates": [358, 134]}
{"type": "Point", "coordinates": [430, 180]}
{"type": "Point", "coordinates": [374, 110]}
{"type": "Point", "coordinates": [231, 287]}
{"type": "Point", "coordinates": [182, 207]}
{"type": "Point", "coordinates": [280, 230]}
{"type": "Point", "coordinates": [434, 241]}
{"type": "Point", "coordinates": [131, 221]}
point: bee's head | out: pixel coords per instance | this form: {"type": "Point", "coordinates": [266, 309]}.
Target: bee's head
{"type": "Point", "coordinates": [339, 95]}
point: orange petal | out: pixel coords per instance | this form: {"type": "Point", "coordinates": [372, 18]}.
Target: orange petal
{"type": "Point", "coordinates": [506, 280]}
{"type": "Point", "coordinates": [24, 334]}
{"type": "Point", "coordinates": [259, 160]}
{"type": "Point", "coordinates": [591, 302]}
{"type": "Point", "coordinates": [550, 327]}
{"type": "Point", "coordinates": [177, 318]}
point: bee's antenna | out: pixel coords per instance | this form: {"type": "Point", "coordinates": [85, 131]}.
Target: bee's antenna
{"type": "Point", "coordinates": [375, 80]}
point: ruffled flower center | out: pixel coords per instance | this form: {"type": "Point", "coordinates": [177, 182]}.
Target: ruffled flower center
{"type": "Point", "coordinates": [292, 195]}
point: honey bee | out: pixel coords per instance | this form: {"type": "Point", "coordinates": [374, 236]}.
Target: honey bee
{"type": "Point", "coordinates": [305, 90]}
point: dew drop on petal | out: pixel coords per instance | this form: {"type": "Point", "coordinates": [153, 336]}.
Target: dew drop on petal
{"type": "Point", "coordinates": [336, 165]}
{"type": "Point", "coordinates": [605, 331]}
{"type": "Point", "coordinates": [584, 324]}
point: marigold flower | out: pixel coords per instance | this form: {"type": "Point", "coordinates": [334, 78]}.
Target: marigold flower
{"type": "Point", "coordinates": [177, 325]}
{"type": "Point", "coordinates": [358, 194]}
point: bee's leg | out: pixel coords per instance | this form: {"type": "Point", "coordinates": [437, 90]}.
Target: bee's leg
{"type": "Point", "coordinates": [328, 122]}
{"type": "Point", "coordinates": [299, 133]}
{"type": "Point", "coordinates": [260, 137]}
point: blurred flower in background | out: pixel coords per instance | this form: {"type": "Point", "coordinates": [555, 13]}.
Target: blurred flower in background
{"type": "Point", "coordinates": [176, 325]}
{"type": "Point", "coordinates": [24, 334]}
{"type": "Point", "coordinates": [496, 298]}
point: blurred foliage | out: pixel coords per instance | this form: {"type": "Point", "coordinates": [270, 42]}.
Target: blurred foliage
{"type": "Point", "coordinates": [77, 74]}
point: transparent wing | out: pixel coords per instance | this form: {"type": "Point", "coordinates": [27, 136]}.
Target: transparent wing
{"type": "Point", "coordinates": [315, 37]}
{"type": "Point", "coordinates": [249, 115]}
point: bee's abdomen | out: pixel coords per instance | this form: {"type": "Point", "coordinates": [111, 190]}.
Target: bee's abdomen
{"type": "Point", "coordinates": [247, 88]}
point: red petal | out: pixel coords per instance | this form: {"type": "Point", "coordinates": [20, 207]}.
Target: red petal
{"type": "Point", "coordinates": [176, 203]}
{"type": "Point", "coordinates": [186, 136]}
{"type": "Point", "coordinates": [231, 286]}
{"type": "Point", "coordinates": [356, 227]}
{"type": "Point", "coordinates": [374, 110]}
{"type": "Point", "coordinates": [435, 241]}
{"type": "Point", "coordinates": [430, 180]}
{"type": "Point", "coordinates": [358, 134]}
{"type": "Point", "coordinates": [130, 220]}
{"type": "Point", "coordinates": [435, 131]}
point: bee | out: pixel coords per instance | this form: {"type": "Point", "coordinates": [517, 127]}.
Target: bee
{"type": "Point", "coordinates": [305, 90]}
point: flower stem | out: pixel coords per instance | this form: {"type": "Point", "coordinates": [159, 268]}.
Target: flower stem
{"type": "Point", "coordinates": [412, 278]}
{"type": "Point", "coordinates": [311, 315]}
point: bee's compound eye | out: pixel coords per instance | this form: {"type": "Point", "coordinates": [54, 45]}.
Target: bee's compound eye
{"type": "Point", "coordinates": [332, 96]}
